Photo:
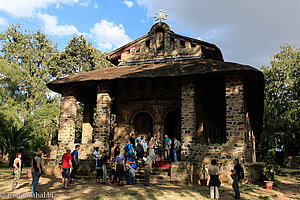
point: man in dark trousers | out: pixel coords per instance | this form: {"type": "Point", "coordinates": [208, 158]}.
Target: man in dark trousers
{"type": "Point", "coordinates": [105, 162]}
{"type": "Point", "coordinates": [148, 167]}
{"type": "Point", "coordinates": [236, 177]}
{"type": "Point", "coordinates": [74, 162]}
{"type": "Point", "coordinates": [36, 171]}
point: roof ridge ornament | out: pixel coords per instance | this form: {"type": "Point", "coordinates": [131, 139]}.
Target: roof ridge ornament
{"type": "Point", "coordinates": [161, 16]}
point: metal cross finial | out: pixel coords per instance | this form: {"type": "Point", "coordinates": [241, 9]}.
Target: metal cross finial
{"type": "Point", "coordinates": [161, 16]}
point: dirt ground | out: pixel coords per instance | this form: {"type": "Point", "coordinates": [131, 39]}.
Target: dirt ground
{"type": "Point", "coordinates": [288, 187]}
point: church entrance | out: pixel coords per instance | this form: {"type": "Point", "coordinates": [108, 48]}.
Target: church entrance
{"type": "Point", "coordinates": [172, 124]}
{"type": "Point", "coordinates": [143, 125]}
{"type": "Point", "coordinates": [172, 127]}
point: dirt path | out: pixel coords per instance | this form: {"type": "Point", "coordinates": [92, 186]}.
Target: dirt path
{"type": "Point", "coordinates": [288, 188]}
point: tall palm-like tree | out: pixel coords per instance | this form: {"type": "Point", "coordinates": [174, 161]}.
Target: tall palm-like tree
{"type": "Point", "coordinates": [15, 140]}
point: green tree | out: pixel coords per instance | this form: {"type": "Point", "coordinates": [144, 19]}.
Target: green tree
{"type": "Point", "coordinates": [26, 71]}
{"type": "Point", "coordinates": [79, 56]}
{"type": "Point", "coordinates": [25, 64]}
{"type": "Point", "coordinates": [15, 140]}
{"type": "Point", "coordinates": [282, 102]}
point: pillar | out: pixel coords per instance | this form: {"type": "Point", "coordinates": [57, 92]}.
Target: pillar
{"type": "Point", "coordinates": [188, 117]}
{"type": "Point", "coordinates": [102, 121]}
{"type": "Point", "coordinates": [68, 108]}
{"type": "Point", "coordinates": [87, 125]}
{"type": "Point", "coordinates": [235, 116]}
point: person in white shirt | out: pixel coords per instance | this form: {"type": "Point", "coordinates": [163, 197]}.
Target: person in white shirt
{"type": "Point", "coordinates": [17, 170]}
{"type": "Point", "coordinates": [96, 153]}
{"type": "Point", "coordinates": [214, 182]}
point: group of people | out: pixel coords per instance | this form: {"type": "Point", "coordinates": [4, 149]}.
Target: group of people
{"type": "Point", "coordinates": [140, 145]}
{"type": "Point", "coordinates": [214, 182]}
{"type": "Point", "coordinates": [135, 153]}
{"type": "Point", "coordinates": [36, 171]}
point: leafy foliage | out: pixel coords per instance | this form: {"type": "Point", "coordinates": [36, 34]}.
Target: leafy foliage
{"type": "Point", "coordinates": [78, 56]}
{"type": "Point", "coordinates": [29, 60]}
{"type": "Point", "coordinates": [15, 140]}
{"type": "Point", "coordinates": [269, 164]}
{"type": "Point", "coordinates": [25, 71]}
{"type": "Point", "coordinates": [282, 102]}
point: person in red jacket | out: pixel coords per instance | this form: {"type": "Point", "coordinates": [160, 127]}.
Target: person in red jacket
{"type": "Point", "coordinates": [66, 165]}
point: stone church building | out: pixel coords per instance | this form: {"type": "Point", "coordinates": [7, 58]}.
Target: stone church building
{"type": "Point", "coordinates": [165, 83]}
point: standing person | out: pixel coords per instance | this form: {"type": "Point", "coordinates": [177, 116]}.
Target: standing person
{"type": "Point", "coordinates": [36, 171]}
{"type": "Point", "coordinates": [113, 170]}
{"type": "Point", "coordinates": [132, 140]}
{"type": "Point", "coordinates": [214, 182]}
{"type": "Point", "coordinates": [167, 148]}
{"type": "Point", "coordinates": [176, 149]}
{"type": "Point", "coordinates": [236, 177]}
{"type": "Point", "coordinates": [148, 168]}
{"type": "Point", "coordinates": [151, 150]}
{"type": "Point", "coordinates": [117, 150]}
{"type": "Point", "coordinates": [144, 143]}
{"type": "Point", "coordinates": [120, 169]}
{"type": "Point", "coordinates": [133, 162]}
{"type": "Point", "coordinates": [98, 164]}
{"type": "Point", "coordinates": [96, 153]}
{"type": "Point", "coordinates": [105, 162]}
{"type": "Point", "coordinates": [66, 166]}
{"type": "Point", "coordinates": [139, 150]}
{"type": "Point", "coordinates": [74, 162]}
{"type": "Point", "coordinates": [99, 171]}
{"type": "Point", "coordinates": [156, 147]}
{"type": "Point", "coordinates": [17, 170]}
{"type": "Point", "coordinates": [128, 148]}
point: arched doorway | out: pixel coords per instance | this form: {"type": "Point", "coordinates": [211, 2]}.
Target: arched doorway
{"type": "Point", "coordinates": [172, 127]}
{"type": "Point", "coordinates": [143, 125]}
{"type": "Point", "coordinates": [172, 124]}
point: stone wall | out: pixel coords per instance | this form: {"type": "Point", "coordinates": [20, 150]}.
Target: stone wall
{"type": "Point", "coordinates": [68, 108]}
{"type": "Point", "coordinates": [188, 118]}
{"type": "Point", "coordinates": [102, 121]}
{"type": "Point", "coordinates": [156, 97]}
{"type": "Point", "coordinates": [162, 43]}
{"type": "Point", "coordinates": [87, 125]}
{"type": "Point", "coordinates": [235, 128]}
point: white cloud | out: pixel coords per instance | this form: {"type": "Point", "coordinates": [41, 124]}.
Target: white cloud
{"type": "Point", "coordinates": [246, 31]}
{"type": "Point", "coordinates": [96, 6]}
{"type": "Point", "coordinates": [51, 26]}
{"type": "Point", "coordinates": [107, 35]}
{"type": "Point", "coordinates": [85, 3]}
{"type": "Point", "coordinates": [29, 8]}
{"type": "Point", "coordinates": [129, 4]}
{"type": "Point", "coordinates": [3, 22]}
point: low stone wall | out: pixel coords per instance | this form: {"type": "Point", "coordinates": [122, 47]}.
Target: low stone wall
{"type": "Point", "coordinates": [53, 167]}
{"type": "Point", "coordinates": [254, 173]}
{"type": "Point", "coordinates": [186, 172]}
{"type": "Point", "coordinates": [292, 162]}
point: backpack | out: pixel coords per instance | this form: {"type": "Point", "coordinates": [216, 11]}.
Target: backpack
{"type": "Point", "coordinates": [126, 148]}
{"type": "Point", "coordinates": [36, 169]}
{"type": "Point", "coordinates": [241, 175]}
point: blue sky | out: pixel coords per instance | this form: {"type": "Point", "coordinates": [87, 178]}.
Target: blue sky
{"type": "Point", "coordinates": [247, 32]}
